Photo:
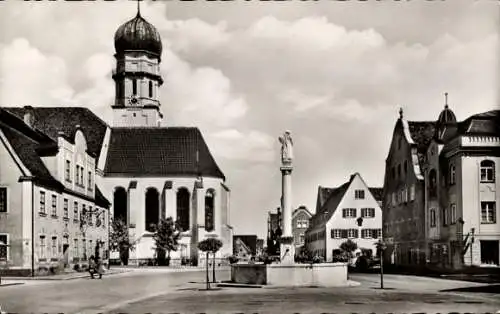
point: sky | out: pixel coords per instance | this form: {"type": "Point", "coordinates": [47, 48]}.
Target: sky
{"type": "Point", "coordinates": [334, 73]}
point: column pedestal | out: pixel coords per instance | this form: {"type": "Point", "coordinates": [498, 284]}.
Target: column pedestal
{"type": "Point", "coordinates": [287, 248]}
{"type": "Point", "coordinates": [287, 251]}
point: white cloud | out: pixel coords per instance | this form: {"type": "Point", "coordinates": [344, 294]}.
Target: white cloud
{"type": "Point", "coordinates": [252, 146]}
{"type": "Point", "coordinates": [201, 96]}
{"type": "Point", "coordinates": [335, 75]}
{"type": "Point", "coordinates": [30, 77]}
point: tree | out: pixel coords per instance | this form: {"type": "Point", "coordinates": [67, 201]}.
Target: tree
{"type": "Point", "coordinates": [210, 245]}
{"type": "Point", "coordinates": [119, 240]}
{"type": "Point", "coordinates": [349, 247]}
{"type": "Point", "coordinates": [166, 237]}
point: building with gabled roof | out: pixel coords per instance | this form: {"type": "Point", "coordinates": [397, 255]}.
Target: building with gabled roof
{"type": "Point", "coordinates": [300, 223]}
{"type": "Point", "coordinates": [430, 215]}
{"type": "Point", "coordinates": [350, 211]}
{"type": "Point", "coordinates": [50, 216]}
{"type": "Point", "coordinates": [147, 170]}
{"type": "Point", "coordinates": [461, 198]}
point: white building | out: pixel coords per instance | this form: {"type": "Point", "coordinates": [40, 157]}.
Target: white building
{"type": "Point", "coordinates": [461, 180]}
{"type": "Point", "coordinates": [52, 213]}
{"type": "Point", "coordinates": [146, 170]}
{"type": "Point", "coordinates": [351, 211]}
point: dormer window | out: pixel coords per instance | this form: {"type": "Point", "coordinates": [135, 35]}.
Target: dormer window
{"type": "Point", "coordinates": [487, 170]}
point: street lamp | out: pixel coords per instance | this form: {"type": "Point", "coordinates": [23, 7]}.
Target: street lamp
{"type": "Point", "coordinates": [381, 246]}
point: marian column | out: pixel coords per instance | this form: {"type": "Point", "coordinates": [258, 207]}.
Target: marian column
{"type": "Point", "coordinates": [287, 248]}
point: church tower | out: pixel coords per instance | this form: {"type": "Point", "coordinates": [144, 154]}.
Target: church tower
{"type": "Point", "coordinates": [137, 75]}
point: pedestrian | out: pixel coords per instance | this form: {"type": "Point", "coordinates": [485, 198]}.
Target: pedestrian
{"type": "Point", "coordinates": [100, 267]}
{"type": "Point", "coordinates": [92, 266]}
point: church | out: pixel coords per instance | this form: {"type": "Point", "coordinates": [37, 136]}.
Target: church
{"type": "Point", "coordinates": [136, 169]}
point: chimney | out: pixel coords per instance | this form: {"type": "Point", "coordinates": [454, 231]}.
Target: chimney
{"type": "Point", "coordinates": [29, 115]}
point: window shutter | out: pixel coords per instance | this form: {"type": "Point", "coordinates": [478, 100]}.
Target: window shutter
{"type": "Point", "coordinates": [344, 213]}
{"type": "Point", "coordinates": [356, 233]}
{"type": "Point", "coordinates": [344, 234]}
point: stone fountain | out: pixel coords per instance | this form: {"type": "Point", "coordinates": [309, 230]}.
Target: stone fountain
{"type": "Point", "coordinates": [287, 273]}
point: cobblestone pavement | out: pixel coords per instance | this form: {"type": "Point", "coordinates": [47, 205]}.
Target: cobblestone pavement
{"type": "Point", "coordinates": [167, 291]}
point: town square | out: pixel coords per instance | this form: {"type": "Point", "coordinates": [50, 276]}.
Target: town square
{"type": "Point", "coordinates": [249, 157]}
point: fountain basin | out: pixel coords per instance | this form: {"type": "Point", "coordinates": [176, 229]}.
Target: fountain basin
{"type": "Point", "coordinates": [291, 275]}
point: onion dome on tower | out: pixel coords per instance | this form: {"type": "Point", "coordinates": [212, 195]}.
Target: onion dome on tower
{"type": "Point", "coordinates": [446, 125]}
{"type": "Point", "coordinates": [138, 35]}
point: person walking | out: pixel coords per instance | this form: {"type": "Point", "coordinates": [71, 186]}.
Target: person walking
{"type": "Point", "coordinates": [100, 267]}
{"type": "Point", "coordinates": [92, 266]}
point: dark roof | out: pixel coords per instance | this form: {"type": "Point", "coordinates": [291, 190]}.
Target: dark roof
{"type": "Point", "coordinates": [422, 133]}
{"type": "Point", "coordinates": [249, 240]}
{"type": "Point", "coordinates": [378, 193]}
{"type": "Point", "coordinates": [323, 194]}
{"type": "Point", "coordinates": [26, 141]}
{"type": "Point", "coordinates": [52, 120]}
{"type": "Point", "coordinates": [482, 123]}
{"type": "Point", "coordinates": [156, 151]}
{"type": "Point", "coordinates": [301, 208]}
{"type": "Point", "coordinates": [330, 206]}
{"type": "Point", "coordinates": [100, 200]}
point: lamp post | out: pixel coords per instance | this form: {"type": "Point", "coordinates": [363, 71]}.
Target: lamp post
{"type": "Point", "coordinates": [471, 243]}
{"type": "Point", "coordinates": [381, 246]}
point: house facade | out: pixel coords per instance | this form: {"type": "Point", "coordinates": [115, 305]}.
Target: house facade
{"type": "Point", "coordinates": [52, 213]}
{"type": "Point", "coordinates": [461, 191]}
{"type": "Point", "coordinates": [300, 223]}
{"type": "Point", "coordinates": [404, 192]}
{"type": "Point", "coordinates": [350, 211]}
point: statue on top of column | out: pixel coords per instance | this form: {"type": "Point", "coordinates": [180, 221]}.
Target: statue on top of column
{"type": "Point", "coordinates": [286, 148]}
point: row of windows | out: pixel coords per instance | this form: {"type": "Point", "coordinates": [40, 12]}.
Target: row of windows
{"type": "Point", "coordinates": [449, 215]}
{"type": "Point", "coordinates": [150, 88]}
{"type": "Point", "coordinates": [486, 171]}
{"type": "Point", "coordinates": [404, 195]}
{"type": "Point", "coordinates": [303, 223]}
{"type": "Point", "coordinates": [50, 248]}
{"type": "Point", "coordinates": [352, 212]}
{"type": "Point", "coordinates": [354, 233]}
{"type": "Point", "coordinates": [396, 170]}
{"type": "Point", "coordinates": [77, 215]}
{"type": "Point", "coordinates": [79, 175]}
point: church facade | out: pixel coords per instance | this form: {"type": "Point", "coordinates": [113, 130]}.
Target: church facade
{"type": "Point", "coordinates": [145, 170]}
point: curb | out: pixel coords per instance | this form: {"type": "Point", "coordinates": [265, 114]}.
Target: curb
{"type": "Point", "coordinates": [11, 284]}
{"type": "Point", "coordinates": [48, 278]}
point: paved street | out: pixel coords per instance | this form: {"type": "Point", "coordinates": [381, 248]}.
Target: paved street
{"type": "Point", "coordinates": [162, 291]}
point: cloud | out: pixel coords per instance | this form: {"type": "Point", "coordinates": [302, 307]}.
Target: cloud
{"type": "Point", "coordinates": [30, 77]}
{"type": "Point", "coordinates": [335, 75]}
{"type": "Point", "coordinates": [252, 146]}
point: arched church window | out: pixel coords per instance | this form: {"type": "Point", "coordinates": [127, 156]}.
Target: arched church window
{"type": "Point", "coordinates": [432, 183]}
{"type": "Point", "coordinates": [134, 86]}
{"type": "Point", "coordinates": [183, 208]}
{"type": "Point", "coordinates": [150, 89]}
{"type": "Point", "coordinates": [209, 211]}
{"type": "Point", "coordinates": [120, 204]}
{"type": "Point", "coordinates": [152, 209]}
